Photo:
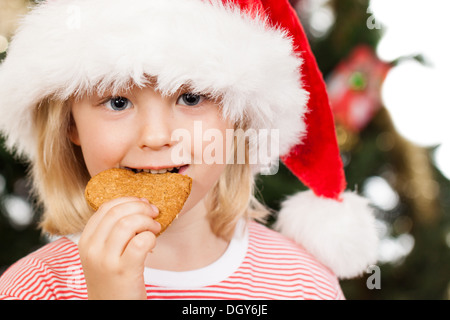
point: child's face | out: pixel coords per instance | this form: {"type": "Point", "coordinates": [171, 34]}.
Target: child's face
{"type": "Point", "coordinates": [138, 129]}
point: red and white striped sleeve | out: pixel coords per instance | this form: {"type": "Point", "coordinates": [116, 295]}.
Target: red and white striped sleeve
{"type": "Point", "coordinates": [50, 273]}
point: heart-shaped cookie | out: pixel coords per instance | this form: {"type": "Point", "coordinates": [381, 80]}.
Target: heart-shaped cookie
{"type": "Point", "coordinates": [167, 191]}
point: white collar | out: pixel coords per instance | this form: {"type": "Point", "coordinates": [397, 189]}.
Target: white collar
{"type": "Point", "coordinates": [214, 273]}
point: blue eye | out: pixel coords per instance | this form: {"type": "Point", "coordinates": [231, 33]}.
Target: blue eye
{"type": "Point", "coordinates": [118, 103]}
{"type": "Point", "coordinates": [190, 99]}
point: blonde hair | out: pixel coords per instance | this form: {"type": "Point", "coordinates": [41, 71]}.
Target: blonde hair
{"type": "Point", "coordinates": [59, 177]}
{"type": "Point", "coordinates": [59, 174]}
{"type": "Point", "coordinates": [233, 196]}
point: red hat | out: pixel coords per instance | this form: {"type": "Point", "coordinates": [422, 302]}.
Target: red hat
{"type": "Point", "coordinates": [254, 54]}
{"type": "Point", "coordinates": [337, 227]}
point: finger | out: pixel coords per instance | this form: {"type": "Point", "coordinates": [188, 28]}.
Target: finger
{"type": "Point", "coordinates": [95, 219]}
{"type": "Point", "coordinates": [137, 249]}
{"type": "Point", "coordinates": [126, 228]}
{"type": "Point", "coordinates": [108, 205]}
{"type": "Point", "coordinates": [99, 226]}
{"type": "Point", "coordinates": [118, 212]}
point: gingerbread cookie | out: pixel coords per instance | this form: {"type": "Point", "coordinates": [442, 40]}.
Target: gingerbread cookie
{"type": "Point", "coordinates": [167, 191]}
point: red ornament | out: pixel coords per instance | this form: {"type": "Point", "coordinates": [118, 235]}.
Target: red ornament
{"type": "Point", "coordinates": [354, 88]}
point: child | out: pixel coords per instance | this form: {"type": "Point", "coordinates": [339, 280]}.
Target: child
{"type": "Point", "coordinates": [93, 85]}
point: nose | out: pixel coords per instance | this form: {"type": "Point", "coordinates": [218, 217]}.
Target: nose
{"type": "Point", "coordinates": [155, 128]}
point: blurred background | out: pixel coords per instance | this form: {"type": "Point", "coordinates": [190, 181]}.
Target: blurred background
{"type": "Point", "coordinates": [387, 70]}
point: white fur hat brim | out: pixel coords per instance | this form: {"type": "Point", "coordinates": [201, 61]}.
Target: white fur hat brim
{"type": "Point", "coordinates": [67, 47]}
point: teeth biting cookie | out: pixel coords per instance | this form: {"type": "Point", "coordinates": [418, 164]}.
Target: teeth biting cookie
{"type": "Point", "coordinates": [167, 191]}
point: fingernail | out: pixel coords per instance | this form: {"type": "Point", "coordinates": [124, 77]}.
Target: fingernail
{"type": "Point", "coordinates": [155, 208]}
{"type": "Point", "coordinates": [145, 200]}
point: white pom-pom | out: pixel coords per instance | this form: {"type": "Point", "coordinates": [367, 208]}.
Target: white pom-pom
{"type": "Point", "coordinates": [341, 235]}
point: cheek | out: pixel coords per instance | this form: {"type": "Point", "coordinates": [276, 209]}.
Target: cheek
{"type": "Point", "coordinates": [209, 144]}
{"type": "Point", "coordinates": [102, 147]}
{"type": "Point", "coordinates": [207, 172]}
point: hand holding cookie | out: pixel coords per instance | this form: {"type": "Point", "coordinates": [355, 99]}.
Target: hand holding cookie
{"type": "Point", "coordinates": [131, 210]}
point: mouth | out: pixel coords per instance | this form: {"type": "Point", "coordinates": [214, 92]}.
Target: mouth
{"type": "Point", "coordinates": [178, 169]}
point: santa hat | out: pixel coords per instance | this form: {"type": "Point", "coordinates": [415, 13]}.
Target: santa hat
{"type": "Point", "coordinates": [253, 54]}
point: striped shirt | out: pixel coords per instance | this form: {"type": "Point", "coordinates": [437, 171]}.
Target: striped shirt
{"type": "Point", "coordinates": [259, 263]}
